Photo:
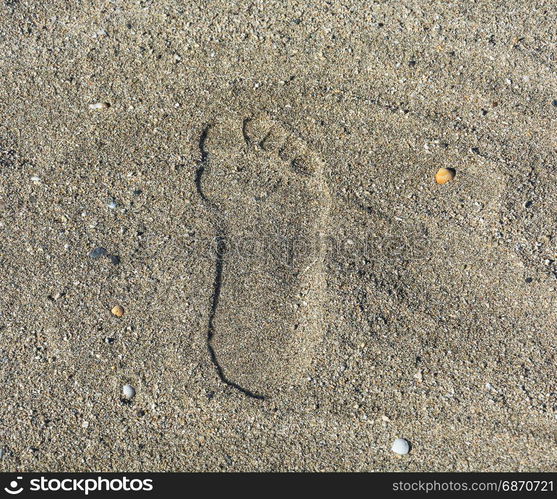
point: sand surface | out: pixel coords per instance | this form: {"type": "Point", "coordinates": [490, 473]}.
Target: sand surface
{"type": "Point", "coordinates": [426, 312]}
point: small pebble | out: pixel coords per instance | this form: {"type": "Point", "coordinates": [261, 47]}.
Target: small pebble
{"type": "Point", "coordinates": [115, 259]}
{"type": "Point", "coordinates": [55, 296]}
{"type": "Point", "coordinates": [401, 446]}
{"type": "Point", "coordinates": [98, 253]}
{"type": "Point", "coordinates": [99, 105]}
{"type": "Point", "coordinates": [112, 204]}
{"type": "Point", "coordinates": [128, 391]}
{"type": "Point", "coordinates": [445, 175]}
{"type": "Point", "coordinates": [118, 311]}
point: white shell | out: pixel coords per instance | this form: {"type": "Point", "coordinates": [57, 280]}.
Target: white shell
{"type": "Point", "coordinates": [128, 391]}
{"type": "Point", "coordinates": [401, 446]}
{"type": "Point", "coordinates": [99, 105]}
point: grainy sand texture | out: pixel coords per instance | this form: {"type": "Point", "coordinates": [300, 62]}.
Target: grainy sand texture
{"type": "Point", "coordinates": [223, 246]}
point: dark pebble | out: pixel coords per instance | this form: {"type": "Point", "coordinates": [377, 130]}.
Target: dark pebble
{"type": "Point", "coordinates": [115, 259]}
{"type": "Point", "coordinates": [98, 253]}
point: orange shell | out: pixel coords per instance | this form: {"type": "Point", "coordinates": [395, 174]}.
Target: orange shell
{"type": "Point", "coordinates": [445, 175]}
{"type": "Point", "coordinates": [118, 311]}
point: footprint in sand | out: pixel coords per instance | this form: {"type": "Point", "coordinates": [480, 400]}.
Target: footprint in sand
{"type": "Point", "coordinates": [269, 202]}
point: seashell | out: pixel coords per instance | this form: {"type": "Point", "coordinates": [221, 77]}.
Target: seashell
{"type": "Point", "coordinates": [128, 391]}
{"type": "Point", "coordinates": [99, 105]}
{"type": "Point", "coordinates": [401, 446]}
{"type": "Point", "coordinates": [118, 311]}
{"type": "Point", "coordinates": [445, 175]}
